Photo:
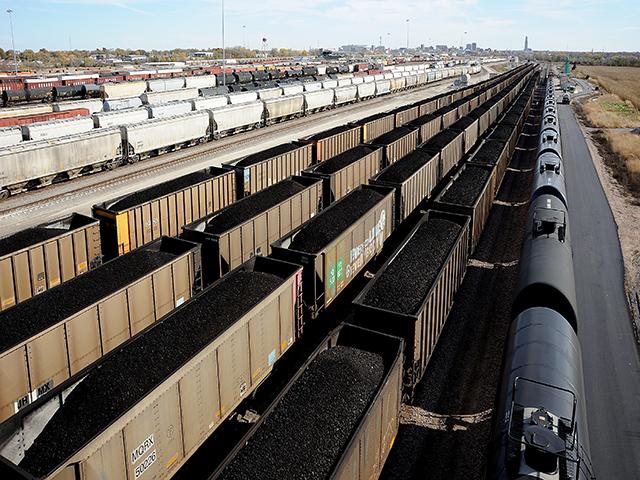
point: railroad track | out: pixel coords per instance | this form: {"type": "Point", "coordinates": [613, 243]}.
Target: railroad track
{"type": "Point", "coordinates": [25, 204]}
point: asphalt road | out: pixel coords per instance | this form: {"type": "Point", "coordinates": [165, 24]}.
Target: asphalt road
{"type": "Point", "coordinates": [609, 351]}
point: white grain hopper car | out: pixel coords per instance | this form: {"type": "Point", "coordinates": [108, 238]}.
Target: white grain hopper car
{"type": "Point", "coordinates": [10, 136]}
{"type": "Point", "coordinates": [239, 98]}
{"type": "Point", "coordinates": [277, 109]}
{"type": "Point", "coordinates": [93, 105]}
{"type": "Point", "coordinates": [119, 117]}
{"type": "Point", "coordinates": [122, 89]}
{"type": "Point", "coordinates": [155, 136]}
{"type": "Point", "coordinates": [38, 163]}
{"type": "Point", "coordinates": [214, 101]}
{"type": "Point", "coordinates": [267, 93]}
{"type": "Point", "coordinates": [346, 94]}
{"type": "Point", "coordinates": [233, 118]}
{"type": "Point", "coordinates": [121, 104]}
{"type": "Point", "coordinates": [292, 89]}
{"type": "Point", "coordinates": [165, 84]}
{"type": "Point", "coordinates": [318, 100]}
{"type": "Point", "coordinates": [168, 96]}
{"type": "Point", "coordinates": [202, 81]}
{"type": "Point", "coordinates": [171, 109]}
{"type": "Point", "coordinates": [57, 128]}
{"type": "Point", "coordinates": [366, 90]}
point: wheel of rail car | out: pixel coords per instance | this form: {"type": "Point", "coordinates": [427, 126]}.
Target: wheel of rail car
{"type": "Point", "coordinates": [216, 136]}
{"type": "Point", "coordinates": [134, 159]}
{"type": "Point", "coordinates": [109, 166]}
{"type": "Point", "coordinates": [4, 193]}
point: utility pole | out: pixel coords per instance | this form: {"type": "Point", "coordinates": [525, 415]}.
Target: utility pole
{"type": "Point", "coordinates": [224, 57]}
{"type": "Point", "coordinates": [244, 43]}
{"type": "Point", "coordinates": [13, 43]}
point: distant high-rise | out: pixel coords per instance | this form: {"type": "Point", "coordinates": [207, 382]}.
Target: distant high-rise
{"type": "Point", "coordinates": [526, 43]}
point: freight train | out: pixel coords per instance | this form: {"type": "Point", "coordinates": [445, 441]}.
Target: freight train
{"type": "Point", "coordinates": [166, 397]}
{"type": "Point", "coordinates": [33, 164]}
{"type": "Point", "coordinates": [541, 422]}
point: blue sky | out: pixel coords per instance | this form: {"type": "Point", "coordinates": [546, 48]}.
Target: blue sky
{"type": "Point", "coordinates": [550, 24]}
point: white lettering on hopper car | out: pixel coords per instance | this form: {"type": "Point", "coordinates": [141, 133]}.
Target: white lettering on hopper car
{"type": "Point", "coordinates": [141, 449]}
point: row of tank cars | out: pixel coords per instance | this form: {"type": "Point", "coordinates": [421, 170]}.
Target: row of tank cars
{"type": "Point", "coordinates": [137, 127]}
{"type": "Point", "coordinates": [148, 354]}
{"type": "Point", "coordinates": [541, 422]}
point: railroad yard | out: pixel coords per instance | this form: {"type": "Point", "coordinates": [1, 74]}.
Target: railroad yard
{"type": "Point", "coordinates": [311, 272]}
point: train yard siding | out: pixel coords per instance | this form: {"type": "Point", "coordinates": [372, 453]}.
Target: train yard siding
{"type": "Point", "coordinates": [68, 198]}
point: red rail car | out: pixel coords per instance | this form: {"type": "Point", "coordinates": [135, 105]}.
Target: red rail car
{"type": "Point", "coordinates": [43, 117]}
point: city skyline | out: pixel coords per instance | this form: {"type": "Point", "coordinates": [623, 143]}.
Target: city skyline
{"type": "Point", "coordinates": [160, 24]}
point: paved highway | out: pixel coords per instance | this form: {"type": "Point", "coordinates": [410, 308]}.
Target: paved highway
{"type": "Point", "coordinates": [79, 195]}
{"type": "Point", "coordinates": [609, 350]}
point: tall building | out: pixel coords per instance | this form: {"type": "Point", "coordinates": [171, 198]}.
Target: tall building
{"type": "Point", "coordinates": [526, 43]}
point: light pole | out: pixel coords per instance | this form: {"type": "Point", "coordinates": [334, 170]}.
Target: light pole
{"type": "Point", "coordinates": [224, 57]}
{"type": "Point", "coordinates": [13, 43]}
{"type": "Point", "coordinates": [407, 34]}
{"type": "Point", "coordinates": [244, 44]}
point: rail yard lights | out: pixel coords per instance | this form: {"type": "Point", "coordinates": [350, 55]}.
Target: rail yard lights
{"type": "Point", "coordinates": [224, 56]}
{"type": "Point", "coordinates": [407, 34]}
{"type": "Point", "coordinates": [13, 43]}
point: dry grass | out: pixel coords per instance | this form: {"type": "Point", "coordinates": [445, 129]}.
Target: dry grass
{"type": "Point", "coordinates": [621, 152]}
{"type": "Point", "coordinates": [609, 111]}
{"type": "Point", "coordinates": [621, 81]}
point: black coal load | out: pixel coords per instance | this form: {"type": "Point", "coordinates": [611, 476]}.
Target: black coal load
{"type": "Point", "coordinates": [422, 120]}
{"type": "Point", "coordinates": [305, 434]}
{"type": "Point", "coordinates": [266, 154]}
{"type": "Point", "coordinates": [462, 124]}
{"type": "Point", "coordinates": [399, 171]}
{"type": "Point", "coordinates": [502, 132]}
{"type": "Point", "coordinates": [405, 283]}
{"type": "Point", "coordinates": [162, 189]}
{"type": "Point", "coordinates": [126, 375]}
{"type": "Point", "coordinates": [511, 118]}
{"type": "Point", "coordinates": [441, 140]}
{"type": "Point", "coordinates": [26, 238]}
{"type": "Point", "coordinates": [478, 112]}
{"type": "Point", "coordinates": [330, 132]}
{"type": "Point", "coordinates": [343, 160]}
{"type": "Point", "coordinates": [466, 189]}
{"type": "Point", "coordinates": [390, 137]}
{"type": "Point", "coordinates": [59, 303]}
{"type": "Point", "coordinates": [243, 210]}
{"type": "Point", "coordinates": [327, 226]}
{"type": "Point", "coordinates": [489, 152]}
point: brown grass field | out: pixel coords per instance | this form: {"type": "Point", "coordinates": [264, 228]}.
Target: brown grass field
{"type": "Point", "coordinates": [621, 81]}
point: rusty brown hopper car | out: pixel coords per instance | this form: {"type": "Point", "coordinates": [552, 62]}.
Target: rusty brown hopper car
{"type": "Point", "coordinates": [57, 334]}
{"type": "Point", "coordinates": [376, 125]}
{"type": "Point", "coordinates": [267, 167]}
{"type": "Point", "coordinates": [444, 99]}
{"type": "Point", "coordinates": [481, 114]}
{"type": "Point", "coordinates": [38, 258]}
{"type": "Point", "coordinates": [474, 102]}
{"type": "Point", "coordinates": [493, 153]}
{"type": "Point", "coordinates": [247, 228]}
{"type": "Point", "coordinates": [337, 244]}
{"type": "Point", "coordinates": [449, 144]}
{"type": "Point", "coordinates": [397, 143]}
{"type": "Point", "coordinates": [463, 106]}
{"type": "Point", "coordinates": [428, 106]}
{"type": "Point", "coordinates": [469, 128]}
{"type": "Point", "coordinates": [428, 126]}
{"type": "Point", "coordinates": [138, 218]}
{"type": "Point", "coordinates": [333, 142]}
{"type": "Point", "coordinates": [347, 171]}
{"type": "Point", "coordinates": [413, 177]}
{"type": "Point", "coordinates": [337, 418]}
{"type": "Point", "coordinates": [457, 95]}
{"type": "Point", "coordinates": [152, 403]}
{"type": "Point", "coordinates": [412, 294]}
{"type": "Point", "coordinates": [406, 114]}
{"type": "Point", "coordinates": [507, 134]}
{"type": "Point", "coordinates": [470, 192]}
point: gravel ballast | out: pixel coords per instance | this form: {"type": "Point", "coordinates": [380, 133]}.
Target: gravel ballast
{"type": "Point", "coordinates": [266, 154]}
{"type": "Point", "coordinates": [466, 189]}
{"type": "Point", "coordinates": [27, 238]}
{"type": "Point", "coordinates": [243, 210]}
{"type": "Point", "coordinates": [59, 303]}
{"type": "Point", "coordinates": [405, 283]}
{"type": "Point", "coordinates": [399, 171]}
{"type": "Point", "coordinates": [390, 137]}
{"type": "Point", "coordinates": [307, 431]}
{"type": "Point", "coordinates": [343, 160]}
{"type": "Point", "coordinates": [125, 378]}
{"type": "Point", "coordinates": [489, 152]}
{"type": "Point", "coordinates": [326, 227]}
{"type": "Point", "coordinates": [137, 198]}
